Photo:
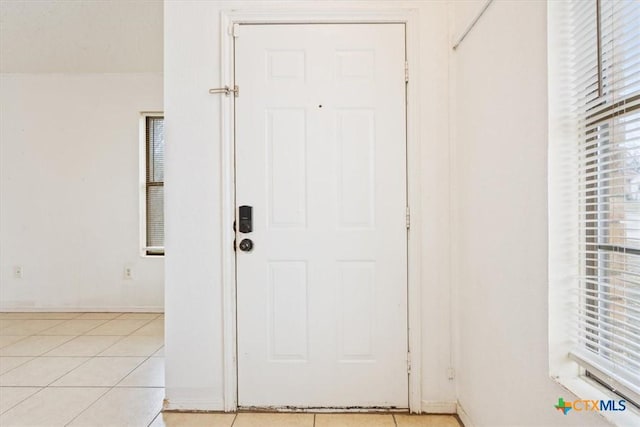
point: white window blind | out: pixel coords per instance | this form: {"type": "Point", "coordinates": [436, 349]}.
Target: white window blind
{"type": "Point", "coordinates": [154, 185]}
{"type": "Point", "coordinates": [606, 100]}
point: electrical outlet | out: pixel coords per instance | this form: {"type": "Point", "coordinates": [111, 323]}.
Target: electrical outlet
{"type": "Point", "coordinates": [128, 273]}
{"type": "Point", "coordinates": [17, 272]}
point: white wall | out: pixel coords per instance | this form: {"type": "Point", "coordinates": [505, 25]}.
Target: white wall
{"type": "Point", "coordinates": [97, 36]}
{"type": "Point", "coordinates": [193, 197]}
{"type": "Point", "coordinates": [499, 188]}
{"type": "Point", "coordinates": [69, 188]}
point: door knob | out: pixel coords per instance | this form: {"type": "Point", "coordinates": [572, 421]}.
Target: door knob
{"type": "Point", "coordinates": [246, 245]}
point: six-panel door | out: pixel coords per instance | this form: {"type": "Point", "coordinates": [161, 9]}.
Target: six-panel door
{"type": "Point", "coordinates": [321, 158]}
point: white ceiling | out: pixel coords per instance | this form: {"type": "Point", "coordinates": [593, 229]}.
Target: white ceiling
{"type": "Point", "coordinates": [81, 36]}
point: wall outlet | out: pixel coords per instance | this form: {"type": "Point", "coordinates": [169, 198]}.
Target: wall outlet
{"type": "Point", "coordinates": [17, 272]}
{"type": "Point", "coordinates": [128, 273]}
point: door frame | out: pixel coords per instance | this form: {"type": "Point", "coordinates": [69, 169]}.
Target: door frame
{"type": "Point", "coordinates": [230, 19]}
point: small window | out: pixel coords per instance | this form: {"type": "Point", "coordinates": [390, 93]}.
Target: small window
{"type": "Point", "coordinates": [153, 211]}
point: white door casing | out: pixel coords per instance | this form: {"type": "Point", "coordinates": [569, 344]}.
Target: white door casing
{"type": "Point", "coordinates": [321, 157]}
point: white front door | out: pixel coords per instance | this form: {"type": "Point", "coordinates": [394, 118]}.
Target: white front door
{"type": "Point", "coordinates": [321, 159]}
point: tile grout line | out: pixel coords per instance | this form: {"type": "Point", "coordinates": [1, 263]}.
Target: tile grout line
{"type": "Point", "coordinates": [60, 357]}
{"type": "Point", "coordinates": [60, 321]}
{"type": "Point", "coordinates": [19, 321]}
{"type": "Point", "coordinates": [28, 397]}
{"type": "Point", "coordinates": [88, 406]}
{"type": "Point", "coordinates": [122, 337]}
{"type": "Point", "coordinates": [56, 379]}
{"type": "Point", "coordinates": [58, 324]}
{"type": "Point", "coordinates": [79, 335]}
{"type": "Point", "coordinates": [154, 418]}
{"type": "Point", "coordinates": [118, 318]}
{"type": "Point", "coordinates": [58, 346]}
{"type": "Point", "coordinates": [136, 367]}
{"type": "Point", "coordinates": [47, 351]}
{"type": "Point", "coordinates": [76, 335]}
{"type": "Point", "coordinates": [62, 387]}
{"type": "Point", "coordinates": [69, 371]}
{"type": "Point", "coordinates": [15, 367]}
{"type": "Point", "coordinates": [84, 363]}
{"type": "Point", "coordinates": [49, 385]}
{"type": "Point", "coordinates": [37, 318]}
{"type": "Point", "coordinates": [24, 337]}
{"type": "Point", "coordinates": [109, 389]}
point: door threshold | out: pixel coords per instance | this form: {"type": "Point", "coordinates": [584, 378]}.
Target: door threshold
{"type": "Point", "coordinates": [322, 409]}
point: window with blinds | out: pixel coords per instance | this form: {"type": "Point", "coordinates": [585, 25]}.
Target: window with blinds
{"type": "Point", "coordinates": [154, 185]}
{"type": "Point", "coordinates": [606, 100]}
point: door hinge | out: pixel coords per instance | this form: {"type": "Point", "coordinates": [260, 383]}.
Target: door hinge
{"type": "Point", "coordinates": [234, 30]}
{"type": "Point", "coordinates": [406, 72]}
{"type": "Point", "coordinates": [408, 362]}
{"type": "Point", "coordinates": [408, 218]}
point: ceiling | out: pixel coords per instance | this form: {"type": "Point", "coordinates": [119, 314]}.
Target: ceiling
{"type": "Point", "coordinates": [81, 36]}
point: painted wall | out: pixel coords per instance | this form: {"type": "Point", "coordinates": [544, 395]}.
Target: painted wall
{"type": "Point", "coordinates": [69, 192]}
{"type": "Point", "coordinates": [193, 197]}
{"type": "Point", "coordinates": [499, 189]}
{"type": "Point", "coordinates": [97, 36]}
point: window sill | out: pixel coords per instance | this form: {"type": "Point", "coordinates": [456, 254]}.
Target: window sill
{"type": "Point", "coordinates": [144, 252]}
{"type": "Point", "coordinates": [587, 389]}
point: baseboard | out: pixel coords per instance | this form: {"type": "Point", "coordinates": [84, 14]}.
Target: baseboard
{"type": "Point", "coordinates": [438, 407]}
{"type": "Point", "coordinates": [193, 405]}
{"type": "Point", "coordinates": [464, 417]}
{"type": "Point", "coordinates": [66, 309]}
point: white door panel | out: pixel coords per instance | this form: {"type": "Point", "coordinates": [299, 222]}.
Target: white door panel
{"type": "Point", "coordinates": [321, 157]}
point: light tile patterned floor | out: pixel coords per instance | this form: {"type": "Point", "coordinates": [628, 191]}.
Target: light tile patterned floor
{"type": "Point", "coordinates": [107, 369]}
{"type": "Point", "coordinates": [169, 419]}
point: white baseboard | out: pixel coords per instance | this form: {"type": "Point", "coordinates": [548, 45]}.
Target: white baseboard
{"type": "Point", "coordinates": [193, 405]}
{"type": "Point", "coordinates": [438, 407]}
{"type": "Point", "coordinates": [66, 309]}
{"type": "Point", "coordinates": [464, 417]}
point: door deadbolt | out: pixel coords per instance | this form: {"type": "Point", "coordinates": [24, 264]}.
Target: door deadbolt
{"type": "Point", "coordinates": [246, 219]}
{"type": "Point", "coordinates": [246, 245]}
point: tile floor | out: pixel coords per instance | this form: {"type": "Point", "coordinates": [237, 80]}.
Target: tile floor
{"type": "Point", "coordinates": [107, 369]}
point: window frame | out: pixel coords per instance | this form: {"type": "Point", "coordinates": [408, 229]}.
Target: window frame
{"type": "Point", "coordinates": [596, 249]}
{"type": "Point", "coordinates": [599, 124]}
{"type": "Point", "coordinates": [145, 251]}
{"type": "Point", "coordinates": [565, 234]}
